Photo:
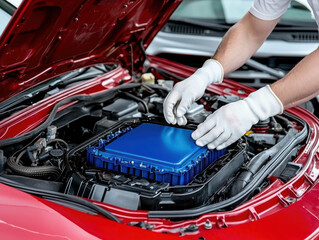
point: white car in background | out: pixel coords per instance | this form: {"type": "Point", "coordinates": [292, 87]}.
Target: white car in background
{"type": "Point", "coordinates": [197, 27]}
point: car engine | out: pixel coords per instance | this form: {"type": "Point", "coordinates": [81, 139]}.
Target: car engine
{"type": "Point", "coordinates": [117, 148]}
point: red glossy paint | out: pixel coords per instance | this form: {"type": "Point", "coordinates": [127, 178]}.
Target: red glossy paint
{"type": "Point", "coordinates": [268, 215]}
{"type": "Point", "coordinates": [65, 35]}
{"type": "Point", "coordinates": [24, 216]}
{"type": "Point", "coordinates": [47, 38]}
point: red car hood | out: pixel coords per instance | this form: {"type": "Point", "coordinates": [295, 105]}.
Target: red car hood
{"type": "Point", "coordinates": [46, 38]}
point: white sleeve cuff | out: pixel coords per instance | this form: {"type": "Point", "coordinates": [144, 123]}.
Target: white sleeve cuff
{"type": "Point", "coordinates": [264, 16]}
{"type": "Point", "coordinates": [269, 9]}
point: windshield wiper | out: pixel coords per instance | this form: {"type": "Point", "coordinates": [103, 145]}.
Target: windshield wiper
{"type": "Point", "coordinates": [296, 25]}
{"type": "Point", "coordinates": [202, 23]}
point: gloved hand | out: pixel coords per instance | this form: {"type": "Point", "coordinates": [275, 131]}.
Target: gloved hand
{"type": "Point", "coordinates": [186, 92]}
{"type": "Point", "coordinates": [230, 122]}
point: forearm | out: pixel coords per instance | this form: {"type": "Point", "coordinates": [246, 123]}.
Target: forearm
{"type": "Point", "coordinates": [301, 83]}
{"type": "Point", "coordinates": [242, 41]}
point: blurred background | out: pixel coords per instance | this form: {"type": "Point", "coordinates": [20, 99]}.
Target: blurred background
{"type": "Point", "coordinates": [197, 27]}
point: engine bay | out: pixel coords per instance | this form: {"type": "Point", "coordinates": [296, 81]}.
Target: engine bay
{"type": "Point", "coordinates": [116, 148]}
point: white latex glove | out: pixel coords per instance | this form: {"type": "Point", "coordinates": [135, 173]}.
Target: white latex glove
{"type": "Point", "coordinates": [186, 92]}
{"type": "Point", "coordinates": [230, 122]}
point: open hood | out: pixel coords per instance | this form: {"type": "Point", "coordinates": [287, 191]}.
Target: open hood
{"type": "Point", "coordinates": [46, 38]}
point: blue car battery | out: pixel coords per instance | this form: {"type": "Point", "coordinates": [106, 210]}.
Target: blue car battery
{"type": "Point", "coordinates": [153, 151]}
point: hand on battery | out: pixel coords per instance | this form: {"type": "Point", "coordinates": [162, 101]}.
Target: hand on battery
{"type": "Point", "coordinates": [225, 126]}
{"type": "Point", "coordinates": [186, 92]}
{"type": "Point", "coordinates": [183, 95]}
{"type": "Point", "coordinates": [230, 122]}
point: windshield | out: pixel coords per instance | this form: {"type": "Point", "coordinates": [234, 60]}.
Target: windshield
{"type": "Point", "coordinates": [230, 11]}
{"type": "Point", "coordinates": [7, 8]}
{"type": "Point", "coordinates": [5, 18]}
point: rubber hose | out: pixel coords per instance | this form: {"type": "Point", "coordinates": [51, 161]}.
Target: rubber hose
{"type": "Point", "coordinates": [137, 99]}
{"type": "Point", "coordinates": [257, 162]}
{"type": "Point", "coordinates": [51, 172]}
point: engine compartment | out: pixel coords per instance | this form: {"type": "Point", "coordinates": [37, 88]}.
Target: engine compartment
{"type": "Point", "coordinates": [116, 148]}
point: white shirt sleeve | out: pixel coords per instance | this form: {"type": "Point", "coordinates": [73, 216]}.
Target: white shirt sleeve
{"type": "Point", "coordinates": [269, 9]}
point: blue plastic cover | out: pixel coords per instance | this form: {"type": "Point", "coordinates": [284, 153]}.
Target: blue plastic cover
{"type": "Point", "coordinates": [157, 152]}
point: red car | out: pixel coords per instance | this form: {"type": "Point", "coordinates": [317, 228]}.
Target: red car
{"type": "Point", "coordinates": [85, 152]}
